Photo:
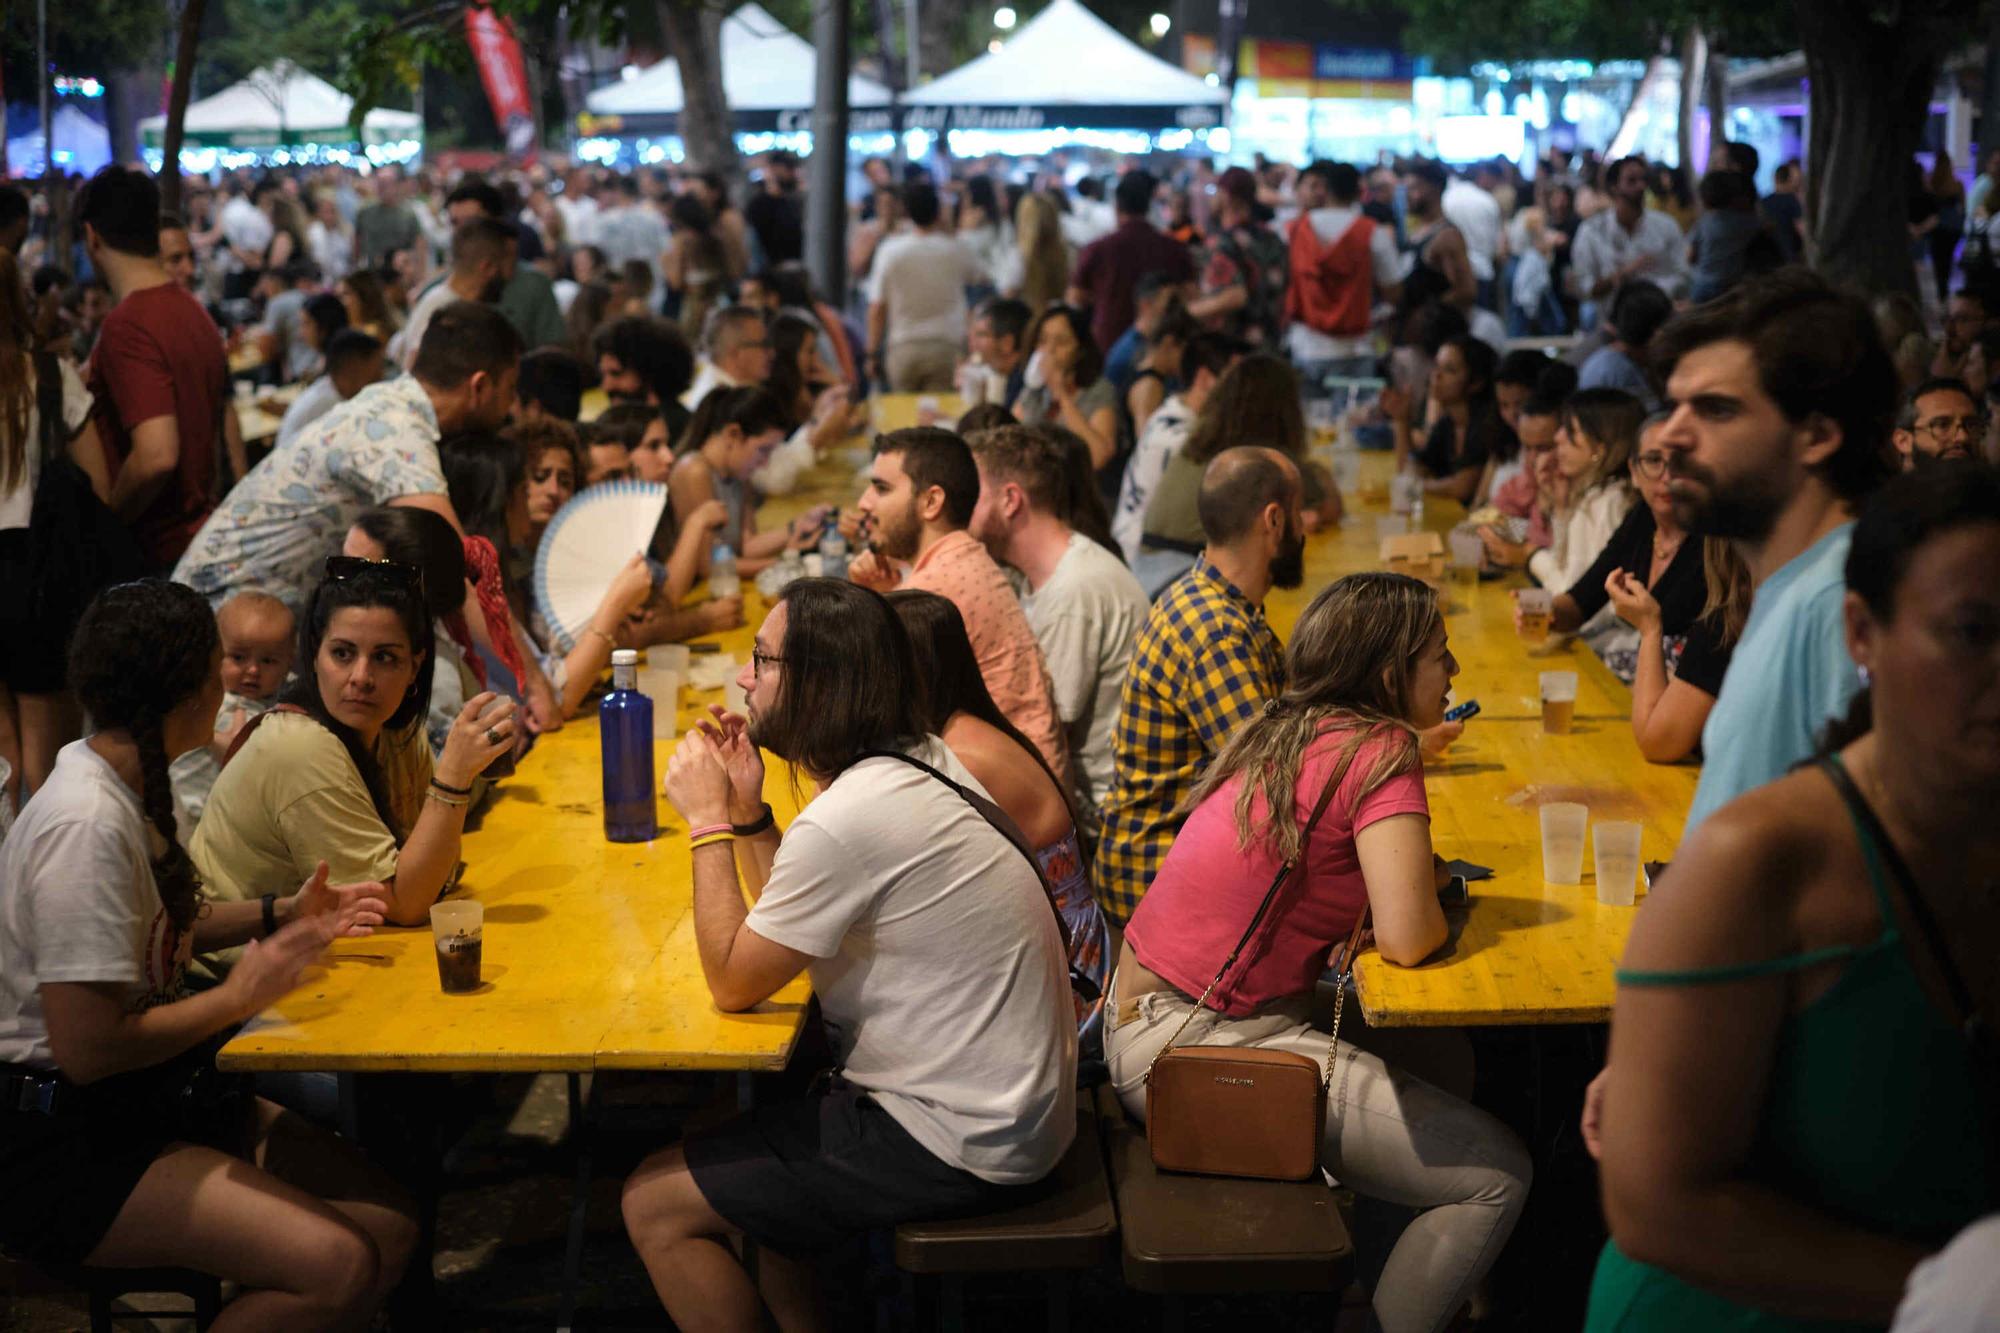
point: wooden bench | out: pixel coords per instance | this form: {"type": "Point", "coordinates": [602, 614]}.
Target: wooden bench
{"type": "Point", "coordinates": [1068, 1228]}
{"type": "Point", "coordinates": [102, 1286]}
{"type": "Point", "coordinates": [1213, 1235]}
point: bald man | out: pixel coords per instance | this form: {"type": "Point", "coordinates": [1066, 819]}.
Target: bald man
{"type": "Point", "coordinates": [1204, 663]}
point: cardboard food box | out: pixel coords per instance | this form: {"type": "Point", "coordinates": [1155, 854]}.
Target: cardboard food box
{"type": "Point", "coordinates": [1421, 555]}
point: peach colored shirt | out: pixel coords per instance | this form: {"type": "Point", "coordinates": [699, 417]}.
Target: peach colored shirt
{"type": "Point", "coordinates": [958, 568]}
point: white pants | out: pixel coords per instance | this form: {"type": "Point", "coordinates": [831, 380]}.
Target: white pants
{"type": "Point", "coordinates": [1389, 1135]}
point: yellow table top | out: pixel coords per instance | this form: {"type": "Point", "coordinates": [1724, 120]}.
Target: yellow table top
{"type": "Point", "coordinates": [1529, 952]}
{"type": "Point", "coordinates": [589, 949]}
{"type": "Point", "coordinates": [589, 957]}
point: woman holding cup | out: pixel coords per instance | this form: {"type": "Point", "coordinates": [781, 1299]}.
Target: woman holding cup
{"type": "Point", "coordinates": [1799, 1103]}
{"type": "Point", "coordinates": [341, 769]}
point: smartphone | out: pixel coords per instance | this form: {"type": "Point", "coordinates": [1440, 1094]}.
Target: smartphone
{"type": "Point", "coordinates": [1454, 893]}
{"type": "Point", "coordinates": [1464, 712]}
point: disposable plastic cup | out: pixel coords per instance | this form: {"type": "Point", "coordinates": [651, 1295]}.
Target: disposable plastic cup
{"type": "Point", "coordinates": [672, 656]}
{"type": "Point", "coordinates": [1467, 552]}
{"type": "Point", "coordinates": [457, 929]}
{"type": "Point", "coordinates": [1563, 825]}
{"type": "Point", "coordinates": [1346, 469]}
{"type": "Point", "coordinates": [1615, 845]}
{"type": "Point", "coordinates": [1538, 614]}
{"type": "Point", "coordinates": [663, 686]}
{"type": "Point", "coordinates": [1391, 525]}
{"type": "Point", "coordinates": [1558, 701]}
{"type": "Point", "coordinates": [733, 698]}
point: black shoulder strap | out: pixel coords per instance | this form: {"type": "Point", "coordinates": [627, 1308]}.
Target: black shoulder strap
{"type": "Point", "coordinates": [995, 816]}
{"type": "Point", "coordinates": [48, 406]}
{"type": "Point", "coordinates": [1899, 871]}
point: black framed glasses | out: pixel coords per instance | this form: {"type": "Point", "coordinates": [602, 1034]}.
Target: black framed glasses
{"type": "Point", "coordinates": [1650, 466]}
{"type": "Point", "coordinates": [759, 659]}
{"type": "Point", "coordinates": [346, 568]}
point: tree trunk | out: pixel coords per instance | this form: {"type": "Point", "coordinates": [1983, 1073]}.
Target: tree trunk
{"type": "Point", "coordinates": [185, 46]}
{"type": "Point", "coordinates": [1871, 90]}
{"type": "Point", "coordinates": [1694, 73]}
{"type": "Point", "coordinates": [130, 95]}
{"type": "Point", "coordinates": [693, 32]}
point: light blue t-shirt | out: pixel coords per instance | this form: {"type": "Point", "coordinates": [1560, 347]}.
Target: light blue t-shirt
{"type": "Point", "coordinates": [1789, 674]}
{"type": "Point", "coordinates": [1610, 368]}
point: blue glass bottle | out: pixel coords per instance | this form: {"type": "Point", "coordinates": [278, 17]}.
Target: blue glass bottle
{"type": "Point", "coordinates": [625, 731]}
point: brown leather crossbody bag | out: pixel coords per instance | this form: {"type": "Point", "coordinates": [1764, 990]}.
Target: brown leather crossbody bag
{"type": "Point", "coordinates": [1242, 1111]}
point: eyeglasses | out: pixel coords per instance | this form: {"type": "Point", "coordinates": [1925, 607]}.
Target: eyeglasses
{"type": "Point", "coordinates": [1650, 466]}
{"type": "Point", "coordinates": [759, 659]}
{"type": "Point", "coordinates": [345, 568]}
{"type": "Point", "coordinates": [1939, 428]}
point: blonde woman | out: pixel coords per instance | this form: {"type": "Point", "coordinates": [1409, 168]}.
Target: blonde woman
{"type": "Point", "coordinates": [1367, 668]}
{"type": "Point", "coordinates": [1041, 268]}
{"type": "Point", "coordinates": [1598, 432]}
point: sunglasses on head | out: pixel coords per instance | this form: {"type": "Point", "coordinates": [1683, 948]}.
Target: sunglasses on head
{"type": "Point", "coordinates": [343, 568]}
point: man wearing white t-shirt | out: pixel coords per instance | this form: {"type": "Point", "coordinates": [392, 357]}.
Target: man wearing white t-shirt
{"type": "Point", "coordinates": [482, 259]}
{"type": "Point", "coordinates": [1476, 214]}
{"type": "Point", "coordinates": [916, 300]}
{"type": "Point", "coordinates": [1085, 606]}
{"type": "Point", "coordinates": [933, 949]}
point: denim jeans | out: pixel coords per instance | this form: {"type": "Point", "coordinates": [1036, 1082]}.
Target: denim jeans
{"type": "Point", "coordinates": [1389, 1136]}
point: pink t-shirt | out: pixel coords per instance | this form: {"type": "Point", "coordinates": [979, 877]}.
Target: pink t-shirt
{"type": "Point", "coordinates": [1205, 894]}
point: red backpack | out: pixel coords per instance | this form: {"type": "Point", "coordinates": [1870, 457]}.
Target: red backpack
{"type": "Point", "coordinates": [1332, 290]}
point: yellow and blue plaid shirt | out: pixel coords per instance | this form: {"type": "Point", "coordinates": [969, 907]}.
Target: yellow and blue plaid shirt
{"type": "Point", "coordinates": [1205, 662]}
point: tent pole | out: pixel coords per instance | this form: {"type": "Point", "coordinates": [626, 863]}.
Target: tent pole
{"type": "Point", "coordinates": [42, 82]}
{"type": "Point", "coordinates": [826, 180]}
{"type": "Point", "coordinates": [913, 60]}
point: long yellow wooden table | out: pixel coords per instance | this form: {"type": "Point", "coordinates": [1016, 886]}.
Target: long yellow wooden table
{"type": "Point", "coordinates": [1529, 952]}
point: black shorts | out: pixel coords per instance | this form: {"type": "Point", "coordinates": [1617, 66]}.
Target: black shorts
{"type": "Point", "coordinates": [64, 1177]}
{"type": "Point", "coordinates": [801, 1177]}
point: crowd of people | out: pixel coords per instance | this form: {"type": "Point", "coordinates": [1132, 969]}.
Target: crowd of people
{"type": "Point", "coordinates": [248, 697]}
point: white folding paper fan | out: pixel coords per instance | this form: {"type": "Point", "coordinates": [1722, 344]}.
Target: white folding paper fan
{"type": "Point", "coordinates": [586, 544]}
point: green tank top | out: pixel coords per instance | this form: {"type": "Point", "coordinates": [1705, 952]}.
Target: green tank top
{"type": "Point", "coordinates": [1876, 1115]}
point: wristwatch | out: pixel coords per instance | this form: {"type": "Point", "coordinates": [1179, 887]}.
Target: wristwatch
{"type": "Point", "coordinates": [269, 902]}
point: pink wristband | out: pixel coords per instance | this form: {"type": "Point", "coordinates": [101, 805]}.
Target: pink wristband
{"type": "Point", "coordinates": [707, 829]}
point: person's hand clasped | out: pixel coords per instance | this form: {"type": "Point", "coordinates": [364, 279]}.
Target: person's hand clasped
{"type": "Point", "coordinates": [697, 782]}
{"type": "Point", "coordinates": [708, 515]}
{"type": "Point", "coordinates": [1632, 600]}
{"type": "Point", "coordinates": [483, 731]}
{"type": "Point", "coordinates": [720, 614]}
{"type": "Point", "coordinates": [339, 910]}
{"type": "Point", "coordinates": [741, 758]}
{"type": "Point", "coordinates": [1394, 402]}
{"type": "Point", "coordinates": [871, 570]}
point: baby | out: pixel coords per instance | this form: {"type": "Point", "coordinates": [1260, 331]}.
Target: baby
{"type": "Point", "coordinates": [257, 639]}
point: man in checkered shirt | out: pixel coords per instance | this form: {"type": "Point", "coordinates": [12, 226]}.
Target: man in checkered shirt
{"type": "Point", "coordinates": [1205, 661]}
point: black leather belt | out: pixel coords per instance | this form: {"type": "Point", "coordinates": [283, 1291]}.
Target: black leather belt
{"type": "Point", "coordinates": [35, 1091]}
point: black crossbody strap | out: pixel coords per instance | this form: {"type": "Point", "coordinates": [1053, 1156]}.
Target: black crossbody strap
{"type": "Point", "coordinates": [48, 407]}
{"type": "Point", "coordinates": [999, 819]}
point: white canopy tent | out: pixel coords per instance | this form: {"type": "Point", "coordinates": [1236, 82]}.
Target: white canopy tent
{"type": "Point", "coordinates": [82, 145]}
{"type": "Point", "coordinates": [767, 77]}
{"type": "Point", "coordinates": [1065, 68]}
{"type": "Point", "coordinates": [277, 106]}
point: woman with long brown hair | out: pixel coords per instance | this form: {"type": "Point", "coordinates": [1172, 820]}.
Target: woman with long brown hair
{"type": "Point", "coordinates": [37, 716]}
{"type": "Point", "coordinates": [1044, 259]}
{"type": "Point", "coordinates": [1256, 402]}
{"type": "Point", "coordinates": [1367, 668]}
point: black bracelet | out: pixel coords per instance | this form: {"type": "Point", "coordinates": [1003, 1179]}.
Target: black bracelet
{"type": "Point", "coordinates": [270, 905]}
{"type": "Point", "coordinates": [762, 824]}
{"type": "Point", "coordinates": [450, 790]}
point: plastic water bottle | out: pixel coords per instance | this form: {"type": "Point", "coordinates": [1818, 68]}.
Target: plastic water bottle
{"type": "Point", "coordinates": [625, 731]}
{"type": "Point", "coordinates": [833, 553]}
{"type": "Point", "coordinates": [722, 580]}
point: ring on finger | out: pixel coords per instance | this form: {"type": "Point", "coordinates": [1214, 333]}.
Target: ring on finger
{"type": "Point", "coordinates": [494, 736]}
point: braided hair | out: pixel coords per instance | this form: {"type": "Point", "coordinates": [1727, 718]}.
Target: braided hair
{"type": "Point", "coordinates": [140, 651]}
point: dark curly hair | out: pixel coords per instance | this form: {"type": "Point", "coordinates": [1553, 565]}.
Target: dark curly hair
{"type": "Point", "coordinates": [140, 651]}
